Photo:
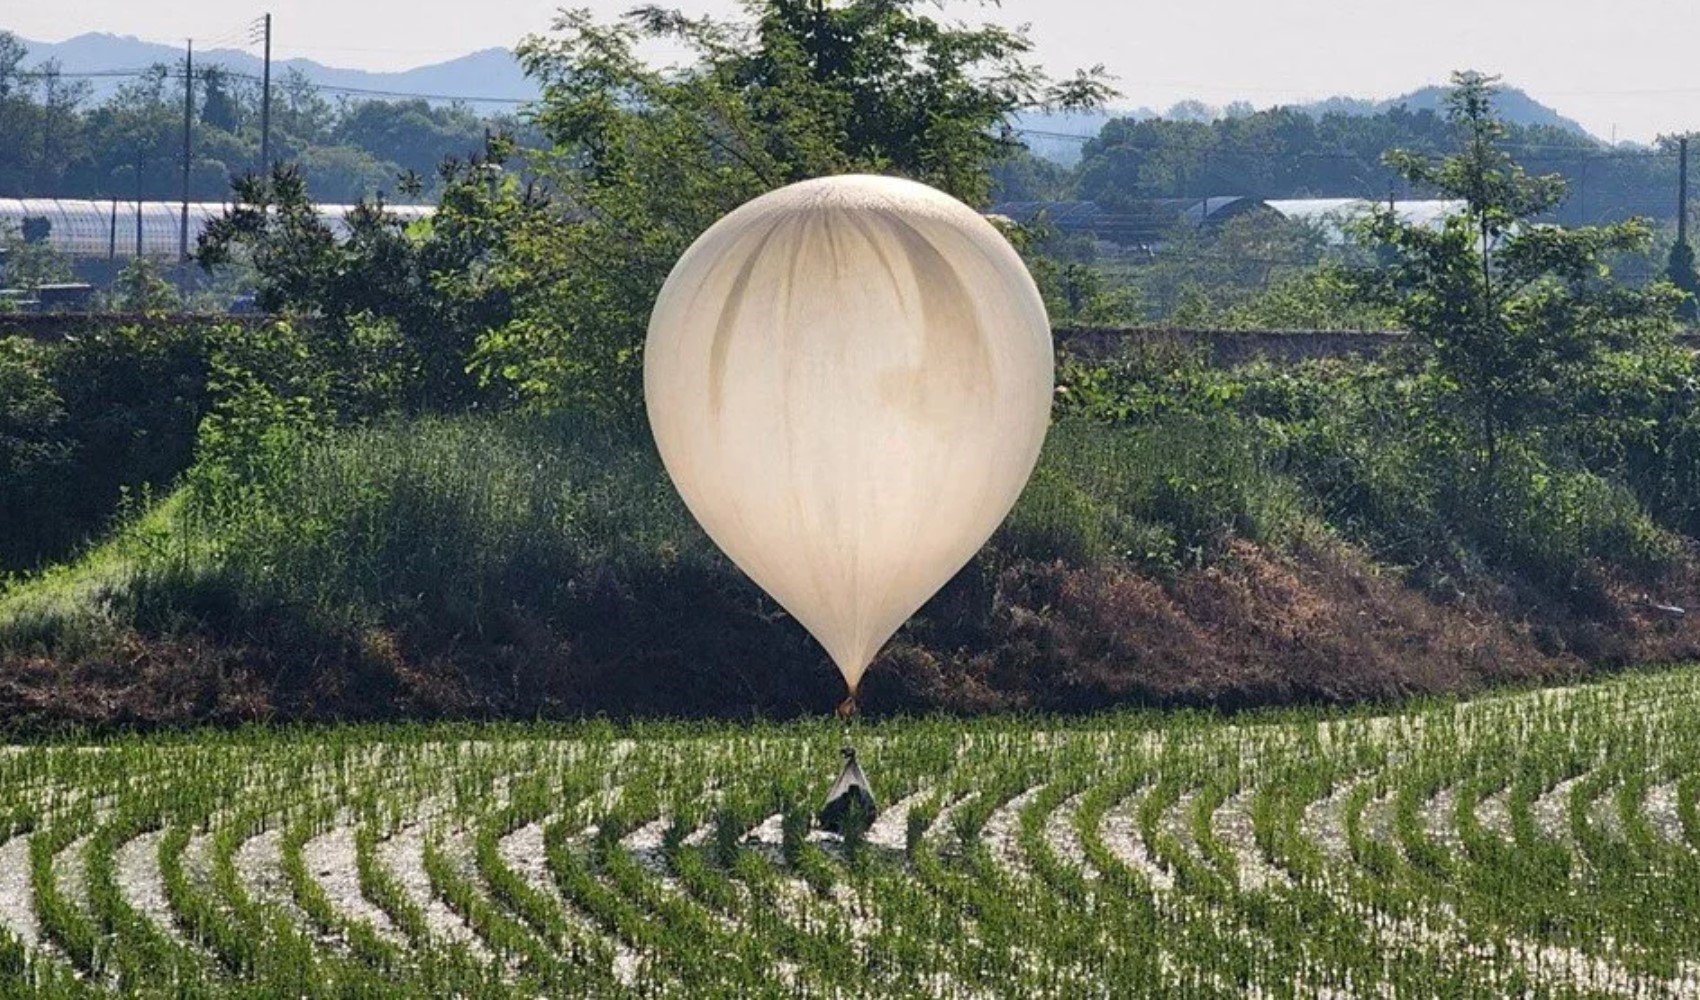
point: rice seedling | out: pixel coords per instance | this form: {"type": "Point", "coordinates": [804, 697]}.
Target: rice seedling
{"type": "Point", "coordinates": [1525, 843]}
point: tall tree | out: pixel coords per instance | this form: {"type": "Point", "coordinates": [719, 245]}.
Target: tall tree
{"type": "Point", "coordinates": [648, 158]}
{"type": "Point", "coordinates": [219, 105]}
{"type": "Point", "coordinates": [1515, 313]}
{"type": "Point", "coordinates": [413, 293]}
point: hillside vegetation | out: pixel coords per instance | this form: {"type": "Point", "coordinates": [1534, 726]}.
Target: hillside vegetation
{"type": "Point", "coordinates": [425, 488]}
{"type": "Point", "coordinates": [1276, 546]}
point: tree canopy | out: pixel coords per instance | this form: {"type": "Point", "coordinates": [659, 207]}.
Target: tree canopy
{"type": "Point", "coordinates": [60, 142]}
{"type": "Point", "coordinates": [642, 159]}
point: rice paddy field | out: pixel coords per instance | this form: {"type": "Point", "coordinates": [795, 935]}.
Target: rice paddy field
{"type": "Point", "coordinates": [1540, 843]}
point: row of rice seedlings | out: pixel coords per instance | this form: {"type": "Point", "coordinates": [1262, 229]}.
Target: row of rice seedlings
{"type": "Point", "coordinates": [950, 916]}
{"type": "Point", "coordinates": [1323, 915]}
{"type": "Point", "coordinates": [1432, 878]}
{"type": "Point", "coordinates": [140, 953]}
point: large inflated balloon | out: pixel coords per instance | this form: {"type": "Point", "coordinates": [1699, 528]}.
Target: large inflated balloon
{"type": "Point", "coordinates": [849, 380]}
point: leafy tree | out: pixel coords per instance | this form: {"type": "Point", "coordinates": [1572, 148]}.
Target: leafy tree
{"type": "Point", "coordinates": [219, 108]}
{"type": "Point", "coordinates": [649, 158]}
{"type": "Point", "coordinates": [57, 135]}
{"type": "Point", "coordinates": [139, 288]}
{"type": "Point", "coordinates": [1023, 176]}
{"type": "Point", "coordinates": [1286, 152]}
{"type": "Point", "coordinates": [1516, 315]}
{"type": "Point", "coordinates": [412, 135]}
{"type": "Point", "coordinates": [138, 132]}
{"type": "Point", "coordinates": [28, 261]}
{"type": "Point", "coordinates": [416, 294]}
{"type": "Point", "coordinates": [129, 144]}
{"type": "Point", "coordinates": [32, 448]}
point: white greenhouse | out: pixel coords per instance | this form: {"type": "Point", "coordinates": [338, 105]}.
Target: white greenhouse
{"type": "Point", "coordinates": [1333, 214]}
{"type": "Point", "coordinates": [107, 229]}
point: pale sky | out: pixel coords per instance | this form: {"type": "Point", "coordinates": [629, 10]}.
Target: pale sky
{"type": "Point", "coordinates": [1625, 65]}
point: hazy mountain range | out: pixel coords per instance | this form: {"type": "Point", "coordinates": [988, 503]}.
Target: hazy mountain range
{"type": "Point", "coordinates": [493, 73]}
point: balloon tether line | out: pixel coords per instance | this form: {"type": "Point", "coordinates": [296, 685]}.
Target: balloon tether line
{"type": "Point", "coordinates": [846, 712]}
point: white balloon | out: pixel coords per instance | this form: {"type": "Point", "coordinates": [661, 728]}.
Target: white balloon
{"type": "Point", "coordinates": [849, 380]}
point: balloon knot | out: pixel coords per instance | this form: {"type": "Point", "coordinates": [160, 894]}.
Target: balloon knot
{"type": "Point", "coordinates": [847, 707]}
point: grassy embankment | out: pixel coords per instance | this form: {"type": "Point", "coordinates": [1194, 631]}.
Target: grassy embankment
{"type": "Point", "coordinates": [516, 566]}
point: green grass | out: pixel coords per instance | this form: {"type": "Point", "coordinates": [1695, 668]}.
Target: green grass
{"type": "Point", "coordinates": [451, 524]}
{"type": "Point", "coordinates": [1108, 855]}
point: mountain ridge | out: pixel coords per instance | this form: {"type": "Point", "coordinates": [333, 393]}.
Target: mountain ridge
{"type": "Point", "coordinates": [486, 77]}
{"type": "Point", "coordinates": [492, 78]}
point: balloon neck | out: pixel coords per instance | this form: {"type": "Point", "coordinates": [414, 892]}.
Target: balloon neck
{"type": "Point", "coordinates": [847, 707]}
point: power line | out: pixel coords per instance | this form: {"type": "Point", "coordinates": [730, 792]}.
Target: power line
{"type": "Point", "coordinates": [35, 74]}
{"type": "Point", "coordinates": [1572, 152]}
{"type": "Point", "coordinates": [467, 98]}
{"type": "Point", "coordinates": [313, 85]}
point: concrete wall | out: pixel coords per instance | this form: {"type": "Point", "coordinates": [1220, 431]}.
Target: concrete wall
{"type": "Point", "coordinates": [1233, 347]}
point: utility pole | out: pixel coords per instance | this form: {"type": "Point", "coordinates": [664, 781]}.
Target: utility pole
{"type": "Point", "coordinates": [48, 89]}
{"type": "Point", "coordinates": [138, 200]}
{"type": "Point", "coordinates": [188, 129]}
{"type": "Point", "coordinates": [266, 102]}
{"type": "Point", "coordinates": [1682, 190]}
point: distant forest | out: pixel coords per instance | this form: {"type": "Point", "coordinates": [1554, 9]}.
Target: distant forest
{"type": "Point", "coordinates": [1297, 153]}
{"type": "Point", "coordinates": [59, 141]}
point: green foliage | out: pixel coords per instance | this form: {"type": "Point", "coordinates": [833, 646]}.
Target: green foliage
{"type": "Point", "coordinates": [108, 411]}
{"type": "Point", "coordinates": [409, 298]}
{"type": "Point", "coordinates": [1323, 298]}
{"type": "Point", "coordinates": [649, 158]}
{"type": "Point", "coordinates": [139, 288]}
{"type": "Point", "coordinates": [33, 452]}
{"type": "Point", "coordinates": [445, 521]}
{"type": "Point", "coordinates": [1025, 176]}
{"type": "Point", "coordinates": [129, 144]}
{"type": "Point", "coordinates": [116, 410]}
{"type": "Point", "coordinates": [29, 263]}
{"type": "Point", "coordinates": [1075, 289]}
{"type": "Point", "coordinates": [1165, 495]}
{"type": "Point", "coordinates": [1288, 152]}
{"type": "Point", "coordinates": [268, 403]}
{"type": "Point", "coordinates": [1254, 271]}
{"type": "Point", "coordinates": [1209, 271]}
{"type": "Point", "coordinates": [1370, 451]}
{"type": "Point", "coordinates": [1517, 315]}
{"type": "Point", "coordinates": [1544, 423]}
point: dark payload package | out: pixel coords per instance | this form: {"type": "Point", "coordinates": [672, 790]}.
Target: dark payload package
{"type": "Point", "coordinates": [850, 797]}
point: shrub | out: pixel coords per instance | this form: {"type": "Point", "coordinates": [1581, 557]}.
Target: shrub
{"type": "Point", "coordinates": [1161, 495]}
{"type": "Point", "coordinates": [448, 521]}
{"type": "Point", "coordinates": [109, 411]}
{"type": "Point", "coordinates": [34, 453]}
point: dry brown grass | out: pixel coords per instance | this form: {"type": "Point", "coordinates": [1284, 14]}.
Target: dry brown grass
{"type": "Point", "coordinates": [1322, 624]}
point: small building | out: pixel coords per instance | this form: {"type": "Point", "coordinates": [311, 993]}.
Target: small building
{"type": "Point", "coordinates": [70, 297]}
